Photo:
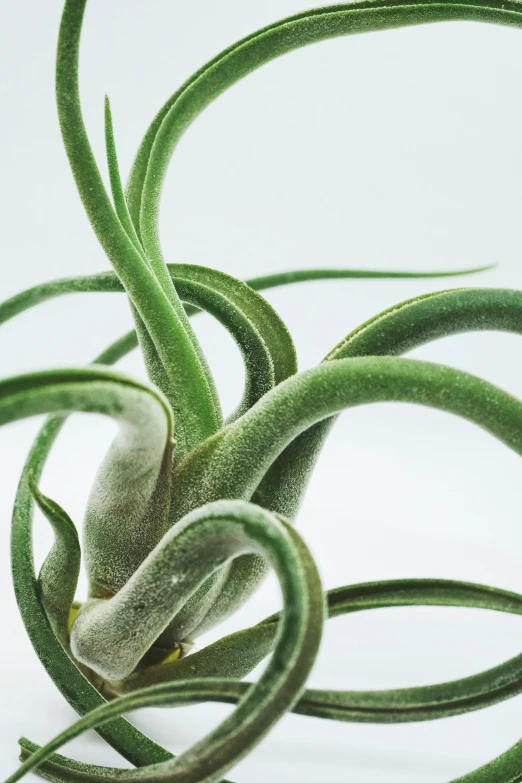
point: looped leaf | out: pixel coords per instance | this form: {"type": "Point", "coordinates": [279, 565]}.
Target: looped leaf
{"type": "Point", "coordinates": [133, 485]}
{"type": "Point", "coordinates": [237, 654]}
{"type": "Point", "coordinates": [260, 334]}
{"type": "Point", "coordinates": [185, 376]}
{"type": "Point", "coordinates": [262, 337]}
{"type": "Point", "coordinates": [267, 348]}
{"type": "Point", "coordinates": [75, 688]}
{"type": "Point", "coordinates": [242, 525]}
{"type": "Point", "coordinates": [112, 635]}
{"type": "Point", "coordinates": [234, 462]}
{"type": "Point", "coordinates": [259, 48]}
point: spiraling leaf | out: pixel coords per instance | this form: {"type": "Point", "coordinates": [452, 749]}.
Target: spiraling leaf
{"type": "Point", "coordinates": [238, 654]}
{"type": "Point", "coordinates": [78, 691]}
{"type": "Point", "coordinates": [262, 337]}
{"type": "Point", "coordinates": [235, 524]}
{"type": "Point", "coordinates": [174, 546]}
{"type": "Point", "coordinates": [381, 706]}
{"type": "Point", "coordinates": [255, 50]}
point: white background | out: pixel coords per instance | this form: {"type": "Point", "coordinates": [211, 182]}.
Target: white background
{"type": "Point", "coordinates": [395, 150]}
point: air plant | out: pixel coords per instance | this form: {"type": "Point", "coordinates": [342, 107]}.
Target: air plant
{"type": "Point", "coordinates": [188, 511]}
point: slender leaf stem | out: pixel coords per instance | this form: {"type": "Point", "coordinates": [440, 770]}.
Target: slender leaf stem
{"type": "Point", "coordinates": [192, 394]}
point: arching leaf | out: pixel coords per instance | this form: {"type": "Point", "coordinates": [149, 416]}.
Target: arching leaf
{"type": "Point", "coordinates": [402, 328]}
{"type": "Point", "coordinates": [279, 686]}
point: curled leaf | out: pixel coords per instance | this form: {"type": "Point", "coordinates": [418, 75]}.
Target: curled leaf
{"type": "Point", "coordinates": [280, 684]}
{"type": "Point", "coordinates": [399, 329]}
{"type": "Point", "coordinates": [59, 573]}
{"type": "Point", "coordinates": [76, 689]}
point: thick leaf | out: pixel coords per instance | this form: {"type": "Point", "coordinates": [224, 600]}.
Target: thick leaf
{"type": "Point", "coordinates": [402, 328]}
{"type": "Point", "coordinates": [411, 363]}
{"type": "Point", "coordinates": [237, 654]}
{"type": "Point", "coordinates": [235, 460]}
{"type": "Point", "coordinates": [146, 424]}
{"type": "Point", "coordinates": [128, 507]}
{"type": "Point", "coordinates": [396, 18]}
{"type": "Point", "coordinates": [233, 463]}
{"type": "Point", "coordinates": [80, 693]}
{"type": "Point", "coordinates": [111, 636]}
{"type": "Point", "coordinates": [236, 526]}
{"type": "Point", "coordinates": [221, 658]}
{"type": "Point", "coordinates": [263, 339]}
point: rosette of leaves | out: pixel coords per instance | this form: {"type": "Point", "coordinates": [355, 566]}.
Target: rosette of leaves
{"type": "Point", "coordinates": [188, 510]}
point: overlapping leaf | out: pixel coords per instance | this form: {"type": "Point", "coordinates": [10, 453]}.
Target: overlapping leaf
{"type": "Point", "coordinates": [264, 453]}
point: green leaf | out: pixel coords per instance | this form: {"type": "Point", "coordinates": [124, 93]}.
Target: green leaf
{"type": "Point", "coordinates": [486, 400]}
{"type": "Point", "coordinates": [260, 334]}
{"type": "Point", "coordinates": [59, 573]}
{"type": "Point", "coordinates": [262, 337]}
{"type": "Point", "coordinates": [80, 693]}
{"type": "Point", "coordinates": [118, 196]}
{"type": "Point", "coordinates": [224, 659]}
{"type": "Point", "coordinates": [425, 702]}
{"type": "Point", "coordinates": [239, 653]}
{"type": "Point", "coordinates": [153, 364]}
{"type": "Point", "coordinates": [258, 48]}
{"type": "Point", "coordinates": [112, 636]}
{"type": "Point", "coordinates": [161, 328]}
{"type": "Point", "coordinates": [236, 459]}
{"type": "Point", "coordinates": [135, 474]}
{"type": "Point", "coordinates": [191, 390]}
{"type": "Point", "coordinates": [146, 420]}
{"type": "Point", "coordinates": [234, 656]}
{"type": "Point", "coordinates": [399, 329]}
{"type": "Point", "coordinates": [107, 282]}
{"type": "Point", "coordinates": [239, 525]}
{"type": "Point", "coordinates": [306, 275]}
{"type": "Point", "coordinates": [267, 347]}
{"type": "Point", "coordinates": [75, 688]}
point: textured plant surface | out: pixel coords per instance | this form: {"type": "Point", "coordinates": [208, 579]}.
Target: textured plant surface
{"type": "Point", "coordinates": [188, 511]}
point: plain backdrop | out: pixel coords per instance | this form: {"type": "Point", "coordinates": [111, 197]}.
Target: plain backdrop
{"type": "Point", "coordinates": [393, 150]}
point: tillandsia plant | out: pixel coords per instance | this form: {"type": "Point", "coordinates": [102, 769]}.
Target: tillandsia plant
{"type": "Point", "coordinates": [188, 511]}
